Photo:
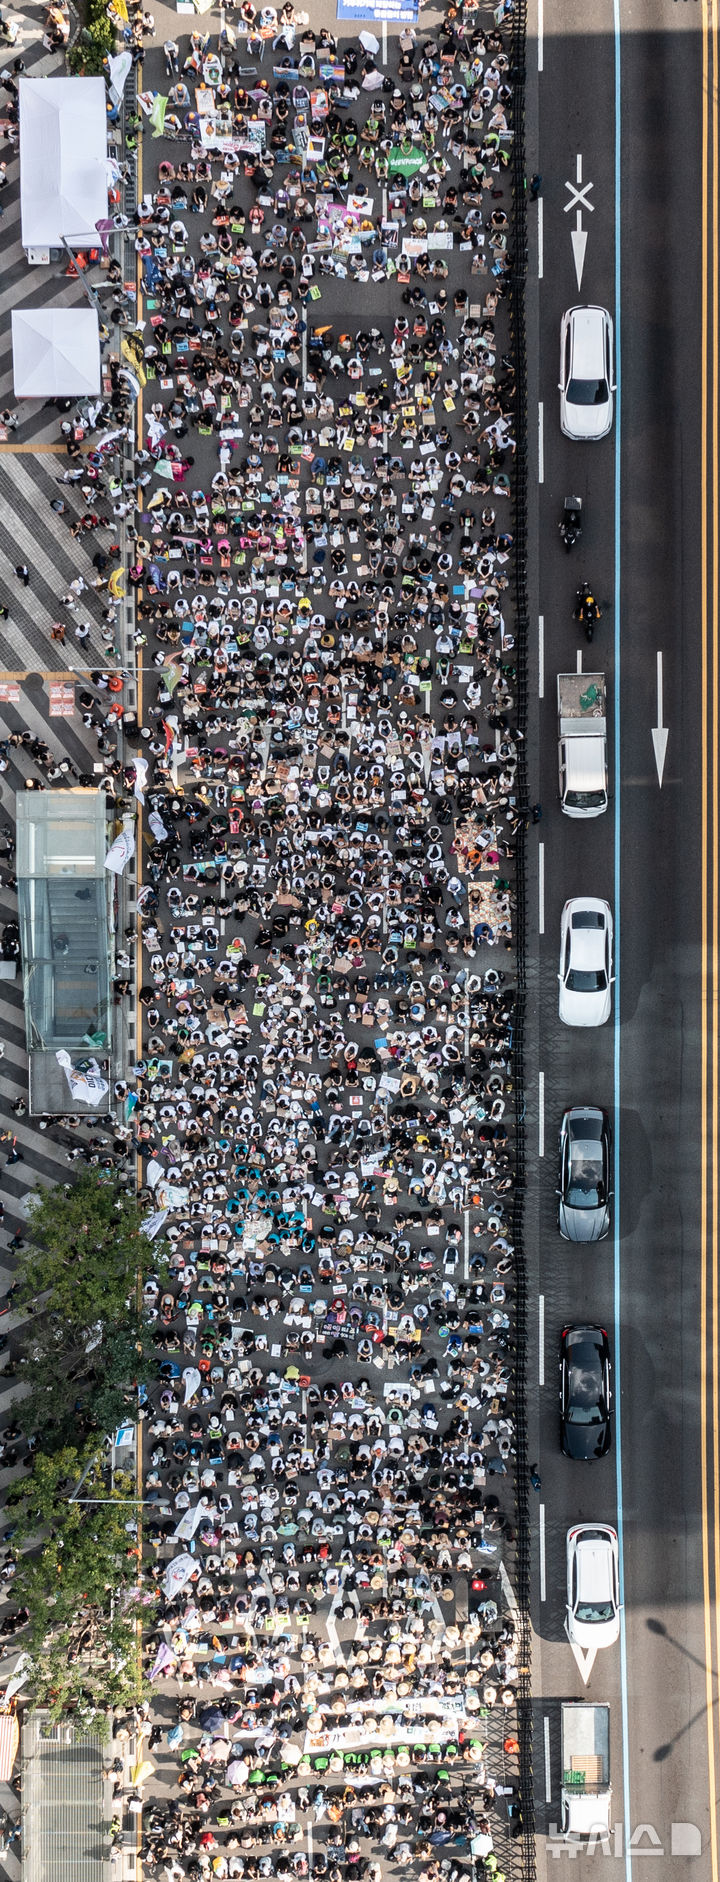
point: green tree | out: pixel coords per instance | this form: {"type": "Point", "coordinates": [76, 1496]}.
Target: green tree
{"type": "Point", "coordinates": [88, 1341]}
{"type": "Point", "coordinates": [77, 1575]}
{"type": "Point", "coordinates": [84, 1248]}
{"type": "Point", "coordinates": [95, 41]}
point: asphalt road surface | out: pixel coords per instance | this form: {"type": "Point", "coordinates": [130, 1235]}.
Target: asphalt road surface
{"type": "Point", "coordinates": [622, 111]}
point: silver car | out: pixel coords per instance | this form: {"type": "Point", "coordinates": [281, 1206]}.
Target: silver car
{"type": "Point", "coordinates": [584, 1188]}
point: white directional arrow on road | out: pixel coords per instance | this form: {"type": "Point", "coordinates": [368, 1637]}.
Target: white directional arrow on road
{"type": "Point", "coordinates": [579, 244]}
{"type": "Point", "coordinates": [583, 1661]}
{"type": "Point", "coordinates": [579, 201]}
{"type": "Point", "coordinates": [660, 731]}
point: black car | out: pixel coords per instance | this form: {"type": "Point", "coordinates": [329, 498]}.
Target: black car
{"type": "Point", "coordinates": [585, 1393]}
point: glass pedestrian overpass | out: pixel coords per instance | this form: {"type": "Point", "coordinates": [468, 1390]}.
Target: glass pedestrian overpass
{"type": "Point", "coordinates": [65, 917]}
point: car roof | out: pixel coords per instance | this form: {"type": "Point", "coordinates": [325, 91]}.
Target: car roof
{"type": "Point", "coordinates": [587, 948]}
{"type": "Point", "coordinates": [588, 345]}
{"type": "Point", "coordinates": [594, 1555]}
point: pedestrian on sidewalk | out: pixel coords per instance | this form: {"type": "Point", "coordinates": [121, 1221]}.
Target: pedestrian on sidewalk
{"type": "Point", "coordinates": [23, 573]}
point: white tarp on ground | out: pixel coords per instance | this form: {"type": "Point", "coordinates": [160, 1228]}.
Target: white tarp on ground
{"type": "Point", "coordinates": [56, 352]}
{"type": "Point", "coordinates": [63, 160]}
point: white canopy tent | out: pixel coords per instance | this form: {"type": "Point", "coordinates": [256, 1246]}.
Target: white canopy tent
{"type": "Point", "coordinates": [63, 160]}
{"type": "Point", "coordinates": [56, 352]}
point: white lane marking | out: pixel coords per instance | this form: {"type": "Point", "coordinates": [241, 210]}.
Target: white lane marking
{"type": "Point", "coordinates": [541, 1339]}
{"type": "Point", "coordinates": [578, 167]}
{"type": "Point", "coordinates": [384, 42]}
{"type": "Point", "coordinates": [540, 33]}
{"type": "Point", "coordinates": [541, 1114]}
{"type": "Point", "coordinates": [578, 238]}
{"type": "Point", "coordinates": [583, 1661]}
{"type": "Point", "coordinates": [541, 888]}
{"type": "Point", "coordinates": [508, 1590]}
{"type": "Point", "coordinates": [541, 243]}
{"type": "Point", "coordinates": [660, 731]}
{"type": "Point", "coordinates": [543, 1582]}
{"type": "Point", "coordinates": [579, 197]}
{"type": "Point", "coordinates": [579, 660]}
{"type": "Point", "coordinates": [541, 656]}
{"type": "Point", "coordinates": [541, 447]}
{"type": "Point", "coordinates": [466, 1246]}
{"type": "Point", "coordinates": [546, 1742]}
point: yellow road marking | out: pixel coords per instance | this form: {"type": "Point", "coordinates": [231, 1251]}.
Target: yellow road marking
{"type": "Point", "coordinates": [708, 1243]}
{"type": "Point", "coordinates": [138, 945]}
{"type": "Point", "coordinates": [39, 450]}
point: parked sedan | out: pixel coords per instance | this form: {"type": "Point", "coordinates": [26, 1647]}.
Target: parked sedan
{"type": "Point", "coordinates": [584, 1191]}
{"type": "Point", "coordinates": [586, 373]}
{"type": "Point", "coordinates": [585, 1393]}
{"type": "Point", "coordinates": [586, 932]}
{"type": "Point", "coordinates": [593, 1598]}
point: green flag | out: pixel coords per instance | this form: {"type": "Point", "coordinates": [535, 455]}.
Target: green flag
{"type": "Point", "coordinates": [157, 115]}
{"type": "Point", "coordinates": [406, 159]}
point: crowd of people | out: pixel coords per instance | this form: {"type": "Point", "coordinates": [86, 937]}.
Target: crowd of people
{"type": "Point", "coordinates": [324, 760]}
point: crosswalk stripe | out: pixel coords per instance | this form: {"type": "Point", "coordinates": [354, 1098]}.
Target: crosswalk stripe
{"type": "Point", "coordinates": [60, 296]}
{"type": "Point", "coordinates": [67, 738]}
{"type": "Point", "coordinates": [34, 610]}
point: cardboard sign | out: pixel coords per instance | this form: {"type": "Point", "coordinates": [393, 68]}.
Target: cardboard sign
{"type": "Point", "coordinates": [62, 700]}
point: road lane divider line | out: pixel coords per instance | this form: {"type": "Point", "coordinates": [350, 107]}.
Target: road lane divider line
{"type": "Point", "coordinates": [541, 1339]}
{"type": "Point", "coordinates": [713, 835]}
{"type": "Point", "coordinates": [617, 690]}
{"type": "Point", "coordinates": [541, 1114]}
{"type": "Point", "coordinates": [541, 656]}
{"type": "Point", "coordinates": [578, 663]}
{"type": "Point", "coordinates": [707, 1227]}
{"type": "Point", "coordinates": [541, 444]}
{"type": "Point", "coordinates": [543, 1575]}
{"type": "Point", "coordinates": [541, 888]}
{"type": "Point", "coordinates": [713, 924]}
{"type": "Point", "coordinates": [546, 1743]}
{"type": "Point", "coordinates": [540, 238]}
{"type": "Point", "coordinates": [541, 35]}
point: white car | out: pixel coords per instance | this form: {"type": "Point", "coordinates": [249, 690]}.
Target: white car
{"type": "Point", "coordinates": [586, 373]}
{"type": "Point", "coordinates": [586, 975]}
{"type": "Point", "coordinates": [593, 1600]}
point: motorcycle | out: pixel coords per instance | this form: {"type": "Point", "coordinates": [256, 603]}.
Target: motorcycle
{"type": "Point", "coordinates": [571, 525]}
{"type": "Point", "coordinates": [587, 611]}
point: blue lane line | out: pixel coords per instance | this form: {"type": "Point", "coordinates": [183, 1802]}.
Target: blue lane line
{"type": "Point", "coordinates": [616, 1055]}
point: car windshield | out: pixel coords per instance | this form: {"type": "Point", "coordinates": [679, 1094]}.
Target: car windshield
{"type": "Point", "coordinates": [586, 980]}
{"type": "Point", "coordinates": [594, 1611]}
{"type": "Point", "coordinates": [587, 392]}
{"type": "Point", "coordinates": [585, 1188]}
{"type": "Point", "coordinates": [584, 800]}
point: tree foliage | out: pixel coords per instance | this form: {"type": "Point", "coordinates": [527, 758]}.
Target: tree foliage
{"type": "Point", "coordinates": [77, 1575]}
{"type": "Point", "coordinates": [84, 1248]}
{"type": "Point", "coordinates": [87, 1342]}
{"type": "Point", "coordinates": [96, 41]}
